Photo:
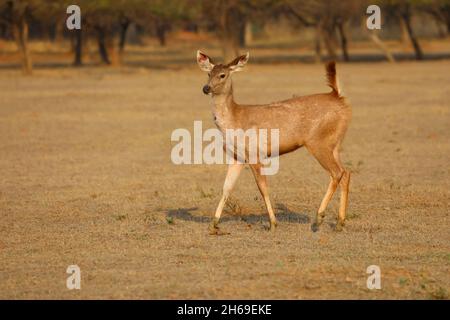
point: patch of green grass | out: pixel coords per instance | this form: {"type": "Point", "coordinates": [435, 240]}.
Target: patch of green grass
{"type": "Point", "coordinates": [170, 220]}
{"type": "Point", "coordinates": [402, 281]}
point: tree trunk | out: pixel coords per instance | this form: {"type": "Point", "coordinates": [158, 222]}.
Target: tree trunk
{"type": "Point", "coordinates": [113, 52]}
{"type": "Point", "coordinates": [248, 33]}
{"type": "Point", "coordinates": [374, 37]}
{"type": "Point", "coordinates": [317, 44]}
{"type": "Point", "coordinates": [78, 48]}
{"type": "Point", "coordinates": [123, 35]}
{"type": "Point", "coordinates": [406, 17]}
{"type": "Point", "coordinates": [161, 31]}
{"type": "Point", "coordinates": [344, 41]}
{"type": "Point", "coordinates": [20, 31]}
{"type": "Point", "coordinates": [229, 48]}
{"type": "Point", "coordinates": [4, 31]}
{"type": "Point", "coordinates": [124, 26]}
{"type": "Point", "coordinates": [51, 32]}
{"type": "Point", "coordinates": [404, 35]}
{"type": "Point", "coordinates": [447, 19]}
{"type": "Point", "coordinates": [328, 38]}
{"type": "Point", "coordinates": [441, 31]}
{"type": "Point", "coordinates": [102, 48]}
{"type": "Point", "coordinates": [229, 33]}
{"type": "Point", "coordinates": [241, 33]}
{"type": "Point", "coordinates": [439, 20]}
{"type": "Point", "coordinates": [59, 31]}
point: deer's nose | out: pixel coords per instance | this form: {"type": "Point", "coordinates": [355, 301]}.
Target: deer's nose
{"type": "Point", "coordinates": [206, 89]}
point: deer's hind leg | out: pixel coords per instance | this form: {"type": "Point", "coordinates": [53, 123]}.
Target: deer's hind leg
{"type": "Point", "coordinates": [332, 186]}
{"type": "Point", "coordinates": [345, 185]}
{"type": "Point", "coordinates": [329, 159]}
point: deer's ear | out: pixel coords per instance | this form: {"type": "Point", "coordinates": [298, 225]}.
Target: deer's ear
{"type": "Point", "coordinates": [204, 62]}
{"type": "Point", "coordinates": [238, 63]}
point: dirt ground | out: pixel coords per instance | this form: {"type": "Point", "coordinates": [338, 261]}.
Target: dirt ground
{"type": "Point", "coordinates": [86, 179]}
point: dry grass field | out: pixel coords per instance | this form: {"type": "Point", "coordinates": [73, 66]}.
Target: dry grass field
{"type": "Point", "coordinates": [86, 179]}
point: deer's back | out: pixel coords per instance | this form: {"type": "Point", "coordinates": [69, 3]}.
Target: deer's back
{"type": "Point", "coordinates": [300, 120]}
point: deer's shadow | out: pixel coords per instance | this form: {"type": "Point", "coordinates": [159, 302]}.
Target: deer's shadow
{"type": "Point", "coordinates": [282, 212]}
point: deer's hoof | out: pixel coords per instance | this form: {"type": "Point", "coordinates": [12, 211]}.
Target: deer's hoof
{"type": "Point", "coordinates": [272, 227]}
{"type": "Point", "coordinates": [339, 226]}
{"type": "Point", "coordinates": [315, 227]}
{"type": "Point", "coordinates": [215, 231]}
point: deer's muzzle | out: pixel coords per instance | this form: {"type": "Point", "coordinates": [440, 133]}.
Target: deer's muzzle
{"type": "Point", "coordinates": [206, 89]}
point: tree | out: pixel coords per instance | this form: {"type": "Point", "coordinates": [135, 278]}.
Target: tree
{"type": "Point", "coordinates": [228, 18]}
{"type": "Point", "coordinates": [102, 18]}
{"type": "Point", "coordinates": [161, 15]}
{"type": "Point", "coordinates": [110, 18]}
{"type": "Point", "coordinates": [330, 21]}
{"type": "Point", "coordinates": [16, 15]}
{"type": "Point", "coordinates": [79, 36]}
{"type": "Point", "coordinates": [404, 10]}
{"type": "Point", "coordinates": [439, 10]}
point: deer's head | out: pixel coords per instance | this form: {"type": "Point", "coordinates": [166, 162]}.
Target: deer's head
{"type": "Point", "coordinates": [219, 75]}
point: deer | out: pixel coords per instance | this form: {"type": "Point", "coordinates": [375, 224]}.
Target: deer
{"type": "Point", "coordinates": [317, 122]}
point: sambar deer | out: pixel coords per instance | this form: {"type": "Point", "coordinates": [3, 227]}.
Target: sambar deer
{"type": "Point", "coordinates": [317, 121]}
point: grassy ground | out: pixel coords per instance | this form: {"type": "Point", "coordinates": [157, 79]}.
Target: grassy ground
{"type": "Point", "coordinates": [86, 179]}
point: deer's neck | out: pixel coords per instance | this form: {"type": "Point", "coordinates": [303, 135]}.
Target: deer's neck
{"type": "Point", "coordinates": [222, 109]}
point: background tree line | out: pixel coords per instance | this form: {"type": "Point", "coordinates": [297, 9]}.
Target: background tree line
{"type": "Point", "coordinates": [107, 22]}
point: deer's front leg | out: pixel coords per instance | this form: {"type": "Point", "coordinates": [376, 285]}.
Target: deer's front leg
{"type": "Point", "coordinates": [261, 181]}
{"type": "Point", "coordinates": [233, 173]}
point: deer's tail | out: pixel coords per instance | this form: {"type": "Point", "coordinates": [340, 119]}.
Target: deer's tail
{"type": "Point", "coordinates": [333, 82]}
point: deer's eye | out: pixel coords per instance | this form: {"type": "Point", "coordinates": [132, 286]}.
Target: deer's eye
{"type": "Point", "coordinates": [209, 74]}
{"type": "Point", "coordinates": [222, 75]}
